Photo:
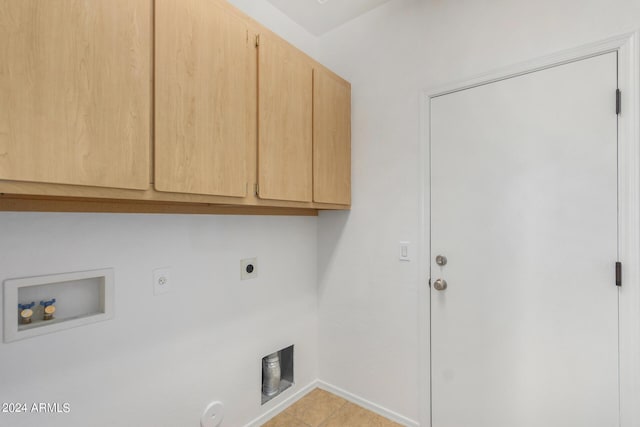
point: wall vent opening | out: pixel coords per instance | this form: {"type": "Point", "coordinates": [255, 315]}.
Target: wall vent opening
{"type": "Point", "coordinates": [277, 373]}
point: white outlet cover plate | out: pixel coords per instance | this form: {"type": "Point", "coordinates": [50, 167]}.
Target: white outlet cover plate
{"type": "Point", "coordinates": [244, 263]}
{"type": "Point", "coordinates": [161, 281]}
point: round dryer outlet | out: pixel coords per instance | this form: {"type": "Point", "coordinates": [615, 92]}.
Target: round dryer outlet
{"type": "Point", "coordinates": [212, 415]}
{"type": "Point", "coordinates": [248, 268]}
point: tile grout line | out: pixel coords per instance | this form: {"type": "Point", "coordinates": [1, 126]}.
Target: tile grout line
{"type": "Point", "coordinates": [324, 420]}
{"type": "Point", "coordinates": [370, 415]}
{"type": "Point", "coordinates": [333, 413]}
{"type": "Point", "coordinates": [299, 420]}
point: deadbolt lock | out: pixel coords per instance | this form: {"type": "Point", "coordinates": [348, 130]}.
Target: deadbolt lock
{"type": "Point", "coordinates": [441, 260]}
{"type": "Point", "coordinates": [440, 285]}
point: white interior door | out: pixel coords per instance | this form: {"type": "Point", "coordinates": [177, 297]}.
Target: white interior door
{"type": "Point", "coordinates": [524, 207]}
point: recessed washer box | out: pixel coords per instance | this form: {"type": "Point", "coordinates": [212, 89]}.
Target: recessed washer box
{"type": "Point", "coordinates": [81, 298]}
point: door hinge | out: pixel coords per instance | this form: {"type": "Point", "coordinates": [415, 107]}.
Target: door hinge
{"type": "Point", "coordinates": [618, 273]}
{"type": "Point", "coordinates": [618, 101]}
{"type": "Point", "coordinates": [257, 40]}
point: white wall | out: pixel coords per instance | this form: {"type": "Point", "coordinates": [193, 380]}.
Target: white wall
{"type": "Point", "coordinates": [163, 359]}
{"type": "Point", "coordinates": [369, 335]}
{"type": "Point", "coordinates": [272, 18]}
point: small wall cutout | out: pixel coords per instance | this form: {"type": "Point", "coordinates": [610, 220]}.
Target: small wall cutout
{"type": "Point", "coordinates": [44, 304]}
{"type": "Point", "coordinates": [277, 373]}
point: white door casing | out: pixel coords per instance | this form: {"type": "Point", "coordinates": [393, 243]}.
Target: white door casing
{"type": "Point", "coordinates": [524, 206]}
{"type": "Point", "coordinates": [627, 47]}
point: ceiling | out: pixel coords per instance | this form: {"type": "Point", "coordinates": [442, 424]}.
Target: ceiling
{"type": "Point", "coordinates": [320, 16]}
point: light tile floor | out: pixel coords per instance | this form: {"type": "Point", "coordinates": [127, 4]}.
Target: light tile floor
{"type": "Point", "coordinates": [319, 408]}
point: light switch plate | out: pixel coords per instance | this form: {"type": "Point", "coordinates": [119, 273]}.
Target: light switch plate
{"type": "Point", "coordinates": [405, 252]}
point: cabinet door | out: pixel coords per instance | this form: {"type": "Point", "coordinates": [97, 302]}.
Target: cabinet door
{"type": "Point", "coordinates": [202, 98]}
{"type": "Point", "coordinates": [285, 83]}
{"type": "Point", "coordinates": [75, 92]}
{"type": "Point", "coordinates": [331, 138]}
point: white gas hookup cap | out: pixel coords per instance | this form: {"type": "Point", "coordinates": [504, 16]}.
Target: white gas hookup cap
{"type": "Point", "coordinates": [212, 415]}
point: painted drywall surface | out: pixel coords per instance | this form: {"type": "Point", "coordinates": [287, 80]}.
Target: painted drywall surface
{"type": "Point", "coordinates": [275, 20]}
{"type": "Point", "coordinates": [368, 299]}
{"type": "Point", "coordinates": [162, 359]}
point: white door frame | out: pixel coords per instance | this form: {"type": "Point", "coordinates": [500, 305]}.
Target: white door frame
{"type": "Point", "coordinates": [628, 48]}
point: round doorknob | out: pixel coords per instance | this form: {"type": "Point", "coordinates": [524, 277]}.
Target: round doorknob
{"type": "Point", "coordinates": [440, 284]}
{"type": "Point", "coordinates": [441, 260]}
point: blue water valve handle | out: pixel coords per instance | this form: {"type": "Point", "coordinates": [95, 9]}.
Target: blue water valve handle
{"type": "Point", "coordinates": [48, 303]}
{"type": "Point", "coordinates": [26, 306]}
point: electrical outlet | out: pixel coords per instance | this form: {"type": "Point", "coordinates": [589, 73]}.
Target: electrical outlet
{"type": "Point", "coordinates": [161, 281]}
{"type": "Point", "coordinates": [248, 268]}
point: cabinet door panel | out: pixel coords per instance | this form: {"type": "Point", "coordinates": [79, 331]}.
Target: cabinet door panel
{"type": "Point", "coordinates": [331, 138]}
{"type": "Point", "coordinates": [202, 99]}
{"type": "Point", "coordinates": [75, 92]}
{"type": "Point", "coordinates": [285, 122]}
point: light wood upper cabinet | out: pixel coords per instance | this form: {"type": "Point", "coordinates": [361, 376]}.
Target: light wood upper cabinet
{"type": "Point", "coordinates": [203, 99]}
{"type": "Point", "coordinates": [75, 92]}
{"type": "Point", "coordinates": [285, 83]}
{"type": "Point", "coordinates": [92, 90]}
{"type": "Point", "coordinates": [331, 138]}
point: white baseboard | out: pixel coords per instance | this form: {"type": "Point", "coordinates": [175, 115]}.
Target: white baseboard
{"type": "Point", "coordinates": [282, 405]}
{"type": "Point", "coordinates": [393, 416]}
